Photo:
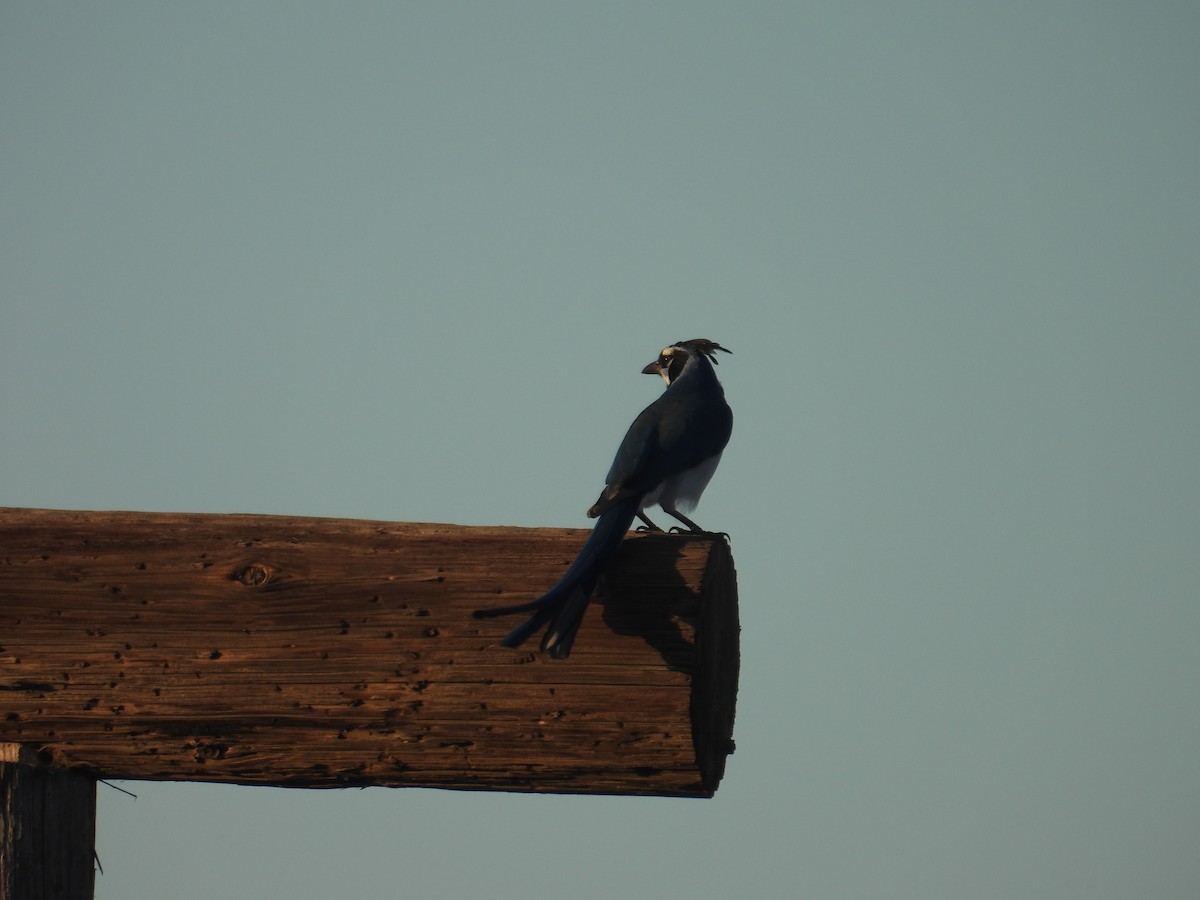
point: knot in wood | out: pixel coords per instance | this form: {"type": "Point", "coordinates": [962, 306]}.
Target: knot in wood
{"type": "Point", "coordinates": [255, 575]}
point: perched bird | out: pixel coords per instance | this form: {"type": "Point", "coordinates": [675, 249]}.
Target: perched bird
{"type": "Point", "coordinates": [667, 458]}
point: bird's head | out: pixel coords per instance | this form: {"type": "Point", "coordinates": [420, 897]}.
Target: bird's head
{"type": "Point", "coordinates": [675, 358]}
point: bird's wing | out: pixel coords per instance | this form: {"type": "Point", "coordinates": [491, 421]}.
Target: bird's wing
{"type": "Point", "coordinates": [637, 448]}
{"type": "Point", "coordinates": [634, 468]}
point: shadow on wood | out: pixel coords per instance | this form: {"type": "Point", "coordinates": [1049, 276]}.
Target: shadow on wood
{"type": "Point", "coordinates": [327, 653]}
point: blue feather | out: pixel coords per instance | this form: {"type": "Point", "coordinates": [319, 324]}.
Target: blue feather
{"type": "Point", "coordinates": [563, 605]}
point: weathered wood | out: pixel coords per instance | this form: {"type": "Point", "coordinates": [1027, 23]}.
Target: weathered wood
{"type": "Point", "coordinates": [329, 652]}
{"type": "Point", "coordinates": [47, 831]}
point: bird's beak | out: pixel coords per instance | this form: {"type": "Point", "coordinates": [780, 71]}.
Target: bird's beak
{"type": "Point", "coordinates": [655, 368]}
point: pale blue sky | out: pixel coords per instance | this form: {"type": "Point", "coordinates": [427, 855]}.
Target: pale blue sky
{"type": "Point", "coordinates": [404, 261]}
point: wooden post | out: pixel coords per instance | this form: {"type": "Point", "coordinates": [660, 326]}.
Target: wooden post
{"type": "Point", "coordinates": [330, 652]}
{"type": "Point", "coordinates": [47, 831]}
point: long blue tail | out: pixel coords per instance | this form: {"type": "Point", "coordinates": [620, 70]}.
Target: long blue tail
{"type": "Point", "coordinates": [562, 606]}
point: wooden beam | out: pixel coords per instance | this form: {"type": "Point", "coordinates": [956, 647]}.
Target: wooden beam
{"type": "Point", "coordinates": [47, 831]}
{"type": "Point", "coordinates": [330, 652]}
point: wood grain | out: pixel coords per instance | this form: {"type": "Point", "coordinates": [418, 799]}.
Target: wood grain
{"type": "Point", "coordinates": [331, 652]}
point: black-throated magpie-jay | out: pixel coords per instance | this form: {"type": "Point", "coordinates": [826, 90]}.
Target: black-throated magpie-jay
{"type": "Point", "coordinates": [667, 458]}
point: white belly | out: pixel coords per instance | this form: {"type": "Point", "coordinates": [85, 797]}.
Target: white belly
{"type": "Point", "coordinates": [683, 491]}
